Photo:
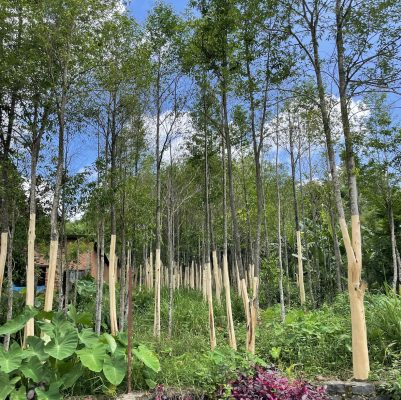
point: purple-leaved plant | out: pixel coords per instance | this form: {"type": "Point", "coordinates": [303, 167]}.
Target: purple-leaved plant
{"type": "Point", "coordinates": [269, 384]}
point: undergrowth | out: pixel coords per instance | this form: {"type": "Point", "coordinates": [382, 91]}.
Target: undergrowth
{"type": "Point", "coordinates": [310, 343]}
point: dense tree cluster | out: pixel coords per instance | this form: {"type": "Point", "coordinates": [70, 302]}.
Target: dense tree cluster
{"type": "Point", "coordinates": [256, 142]}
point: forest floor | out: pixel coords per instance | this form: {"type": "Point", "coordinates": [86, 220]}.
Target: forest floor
{"type": "Point", "coordinates": [314, 344]}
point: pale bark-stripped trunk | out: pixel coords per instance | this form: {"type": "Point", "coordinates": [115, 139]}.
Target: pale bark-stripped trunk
{"type": "Point", "coordinates": [257, 143]}
{"type": "Point", "coordinates": [129, 321]}
{"type": "Point", "coordinates": [309, 267]}
{"type": "Point", "coordinates": [54, 235]}
{"type": "Point", "coordinates": [356, 287]}
{"type": "Point", "coordinates": [156, 325]}
{"type": "Point", "coordinates": [226, 277]}
{"type": "Point", "coordinates": [113, 228]}
{"type": "Point", "coordinates": [300, 279]}
{"type": "Point", "coordinates": [3, 256]}
{"type": "Point", "coordinates": [236, 236]}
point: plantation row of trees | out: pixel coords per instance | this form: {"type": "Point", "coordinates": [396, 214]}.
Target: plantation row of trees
{"type": "Point", "coordinates": [254, 141]}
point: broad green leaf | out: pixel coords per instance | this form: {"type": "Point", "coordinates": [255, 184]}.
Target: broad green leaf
{"type": "Point", "coordinates": [34, 369]}
{"type": "Point", "coordinates": [46, 328]}
{"type": "Point", "coordinates": [11, 360]}
{"type": "Point", "coordinates": [18, 394]}
{"type": "Point", "coordinates": [52, 393]}
{"type": "Point", "coordinates": [88, 337]}
{"type": "Point", "coordinates": [111, 342]}
{"type": "Point", "coordinates": [62, 346]}
{"type": "Point", "coordinates": [37, 347]}
{"type": "Point", "coordinates": [18, 322]}
{"type": "Point", "coordinates": [122, 338]}
{"type": "Point", "coordinates": [6, 385]}
{"type": "Point", "coordinates": [114, 369]}
{"type": "Point", "coordinates": [83, 318]}
{"type": "Point", "coordinates": [93, 358]}
{"type": "Point", "coordinates": [147, 357]}
{"type": "Point", "coordinates": [69, 378]}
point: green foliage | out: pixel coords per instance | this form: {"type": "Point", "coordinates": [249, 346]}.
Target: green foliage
{"type": "Point", "coordinates": [65, 353]}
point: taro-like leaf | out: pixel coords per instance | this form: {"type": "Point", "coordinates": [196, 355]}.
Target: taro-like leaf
{"type": "Point", "coordinates": [70, 373]}
{"type": "Point", "coordinates": [47, 329]}
{"type": "Point", "coordinates": [7, 385]}
{"type": "Point", "coordinates": [114, 369]}
{"type": "Point", "coordinates": [93, 358]}
{"type": "Point", "coordinates": [110, 341]}
{"type": "Point", "coordinates": [88, 337]}
{"type": "Point", "coordinates": [62, 345]}
{"type": "Point", "coordinates": [83, 318]}
{"type": "Point", "coordinates": [18, 322]}
{"type": "Point", "coordinates": [18, 394]}
{"type": "Point", "coordinates": [11, 360]}
{"type": "Point", "coordinates": [34, 369]}
{"type": "Point", "coordinates": [147, 357]}
{"type": "Point", "coordinates": [52, 393]}
{"type": "Point", "coordinates": [36, 347]}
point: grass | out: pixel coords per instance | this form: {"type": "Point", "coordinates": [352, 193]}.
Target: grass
{"type": "Point", "coordinates": [308, 343]}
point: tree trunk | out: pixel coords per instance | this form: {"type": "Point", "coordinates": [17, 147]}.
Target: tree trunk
{"type": "Point", "coordinates": [300, 279]}
{"type": "Point", "coordinates": [156, 326]}
{"type": "Point", "coordinates": [54, 235]}
{"type": "Point", "coordinates": [208, 271]}
{"type": "Point", "coordinates": [100, 278]}
{"type": "Point", "coordinates": [280, 261]}
{"type": "Point", "coordinates": [112, 255]}
{"type": "Point", "coordinates": [10, 296]}
{"type": "Point", "coordinates": [356, 286]}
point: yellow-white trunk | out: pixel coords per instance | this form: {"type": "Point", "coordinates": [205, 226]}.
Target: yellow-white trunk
{"type": "Point", "coordinates": [156, 326]}
{"type": "Point", "coordinates": [210, 304]}
{"type": "Point", "coordinates": [230, 322]}
{"type": "Point", "coordinates": [3, 256]}
{"type": "Point", "coordinates": [51, 275]}
{"type": "Point", "coordinates": [356, 290]}
{"type": "Point", "coordinates": [30, 274]}
{"type": "Point", "coordinates": [300, 269]}
{"type": "Point", "coordinates": [112, 286]}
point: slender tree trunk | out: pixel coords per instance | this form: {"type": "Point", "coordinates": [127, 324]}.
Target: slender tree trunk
{"type": "Point", "coordinates": [300, 279]}
{"type": "Point", "coordinates": [356, 287]}
{"type": "Point", "coordinates": [112, 255]}
{"type": "Point", "coordinates": [10, 297]}
{"type": "Point", "coordinates": [207, 243]}
{"type": "Point", "coordinates": [54, 234]}
{"type": "Point", "coordinates": [30, 272]}
{"type": "Point", "coordinates": [280, 261]}
{"type": "Point", "coordinates": [156, 326]}
{"type": "Point", "coordinates": [248, 304]}
{"type": "Point", "coordinates": [170, 249]}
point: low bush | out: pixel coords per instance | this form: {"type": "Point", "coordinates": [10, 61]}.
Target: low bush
{"type": "Point", "coordinates": [269, 384]}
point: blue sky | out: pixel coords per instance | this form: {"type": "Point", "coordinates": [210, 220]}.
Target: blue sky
{"type": "Point", "coordinates": [140, 8]}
